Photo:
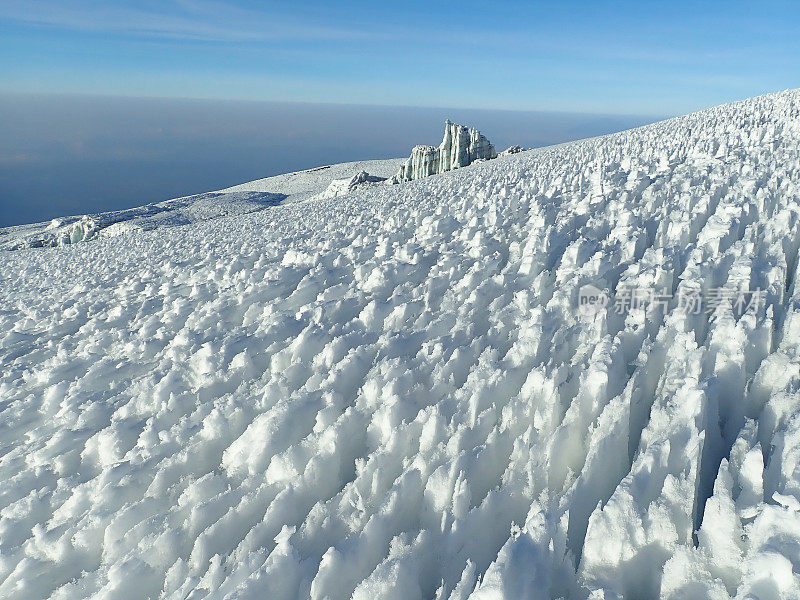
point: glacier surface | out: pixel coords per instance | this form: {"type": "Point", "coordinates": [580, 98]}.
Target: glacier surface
{"type": "Point", "coordinates": [392, 394]}
{"type": "Point", "coordinates": [240, 199]}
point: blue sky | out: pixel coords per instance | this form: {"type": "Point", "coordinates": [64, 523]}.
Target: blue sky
{"type": "Point", "coordinates": [613, 57]}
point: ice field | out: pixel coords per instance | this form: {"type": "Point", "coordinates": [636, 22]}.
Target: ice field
{"type": "Point", "coordinates": [392, 394]}
{"type": "Point", "coordinates": [237, 200]}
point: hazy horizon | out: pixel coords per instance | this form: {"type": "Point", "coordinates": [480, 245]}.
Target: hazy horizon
{"type": "Point", "coordinates": [68, 154]}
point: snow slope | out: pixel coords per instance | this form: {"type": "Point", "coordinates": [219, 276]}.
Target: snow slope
{"type": "Point", "coordinates": [392, 395]}
{"type": "Point", "coordinates": [307, 184]}
{"type": "Point", "coordinates": [241, 199]}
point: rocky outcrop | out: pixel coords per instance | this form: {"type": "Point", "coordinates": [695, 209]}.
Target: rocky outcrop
{"type": "Point", "coordinates": [460, 147]}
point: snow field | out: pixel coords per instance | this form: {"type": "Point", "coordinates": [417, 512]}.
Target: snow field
{"type": "Point", "coordinates": [391, 394]}
{"type": "Point", "coordinates": [238, 200]}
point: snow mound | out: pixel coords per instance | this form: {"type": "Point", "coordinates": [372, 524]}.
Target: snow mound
{"type": "Point", "coordinates": [340, 187]}
{"type": "Point", "coordinates": [406, 393]}
{"type": "Point", "coordinates": [460, 147]}
{"type": "Point", "coordinates": [304, 185]}
{"type": "Point", "coordinates": [512, 150]}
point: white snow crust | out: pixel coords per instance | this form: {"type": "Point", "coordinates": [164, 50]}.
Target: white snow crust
{"type": "Point", "coordinates": [391, 394]}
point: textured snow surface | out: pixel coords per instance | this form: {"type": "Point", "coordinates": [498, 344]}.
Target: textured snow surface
{"type": "Point", "coordinates": [391, 395]}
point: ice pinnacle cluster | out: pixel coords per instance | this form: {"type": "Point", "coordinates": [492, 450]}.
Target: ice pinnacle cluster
{"type": "Point", "coordinates": [460, 147]}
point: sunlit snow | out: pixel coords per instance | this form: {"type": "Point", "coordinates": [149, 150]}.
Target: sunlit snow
{"type": "Point", "coordinates": [391, 393]}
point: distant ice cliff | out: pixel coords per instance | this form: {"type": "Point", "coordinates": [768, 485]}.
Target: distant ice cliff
{"type": "Point", "coordinates": [460, 147]}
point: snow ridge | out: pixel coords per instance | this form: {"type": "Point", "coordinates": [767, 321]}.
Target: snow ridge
{"type": "Point", "coordinates": [391, 394]}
